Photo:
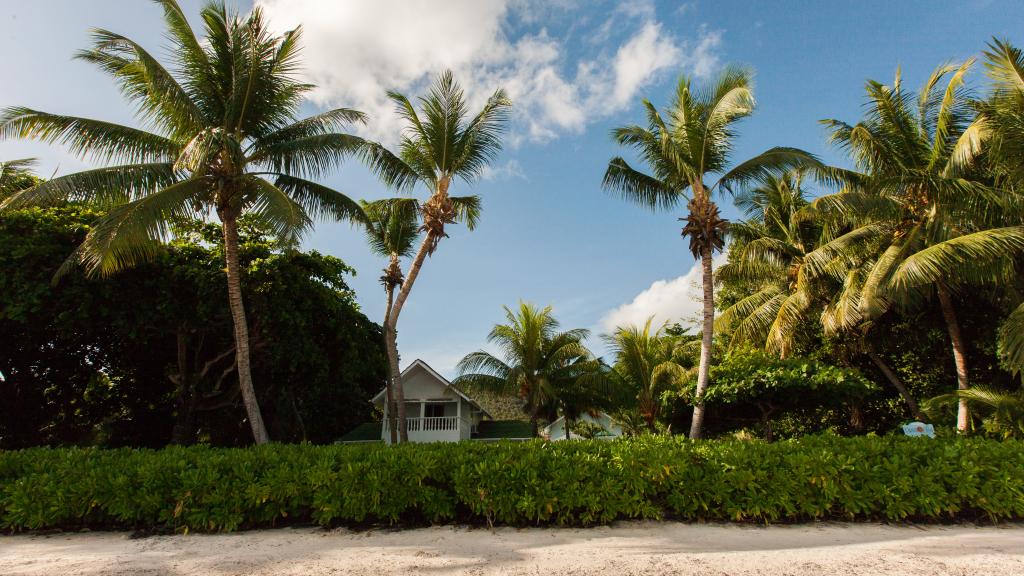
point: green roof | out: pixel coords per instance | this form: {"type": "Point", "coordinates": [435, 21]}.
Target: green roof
{"type": "Point", "coordinates": [365, 432]}
{"type": "Point", "coordinates": [497, 429]}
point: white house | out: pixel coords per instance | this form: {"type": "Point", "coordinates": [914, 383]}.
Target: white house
{"type": "Point", "coordinates": [609, 428]}
{"type": "Point", "coordinates": [435, 410]}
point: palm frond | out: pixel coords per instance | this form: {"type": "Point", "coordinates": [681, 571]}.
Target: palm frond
{"type": "Point", "coordinates": [133, 233]}
{"type": "Point", "coordinates": [1011, 340]}
{"type": "Point", "coordinates": [969, 259]}
{"type": "Point", "coordinates": [635, 186]}
{"type": "Point", "coordinates": [87, 138]}
{"type": "Point", "coordinates": [319, 201]}
{"type": "Point", "coordinates": [102, 187]}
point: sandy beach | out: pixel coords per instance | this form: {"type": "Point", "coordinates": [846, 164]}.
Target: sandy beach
{"type": "Point", "coordinates": [623, 549]}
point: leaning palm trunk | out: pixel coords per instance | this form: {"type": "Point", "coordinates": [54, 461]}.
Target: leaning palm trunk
{"type": "Point", "coordinates": [963, 417]}
{"type": "Point", "coordinates": [252, 409]}
{"type": "Point", "coordinates": [707, 336]}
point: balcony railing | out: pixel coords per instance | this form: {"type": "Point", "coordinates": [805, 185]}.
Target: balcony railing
{"type": "Point", "coordinates": [430, 424]}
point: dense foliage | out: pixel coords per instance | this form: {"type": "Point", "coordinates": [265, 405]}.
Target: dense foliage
{"type": "Point", "coordinates": [756, 388]}
{"type": "Point", "coordinates": [145, 357]}
{"type": "Point", "coordinates": [585, 482]}
{"type": "Point", "coordinates": [217, 133]}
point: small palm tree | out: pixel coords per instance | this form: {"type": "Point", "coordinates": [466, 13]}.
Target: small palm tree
{"type": "Point", "coordinates": [439, 144]}
{"type": "Point", "coordinates": [1003, 411]}
{"type": "Point", "coordinates": [918, 223]}
{"type": "Point", "coordinates": [692, 141]}
{"type": "Point", "coordinates": [16, 175]}
{"type": "Point", "coordinates": [645, 364]}
{"type": "Point", "coordinates": [766, 254]}
{"type": "Point", "coordinates": [539, 362]}
{"type": "Point", "coordinates": [392, 227]}
{"type": "Point", "coordinates": [222, 136]}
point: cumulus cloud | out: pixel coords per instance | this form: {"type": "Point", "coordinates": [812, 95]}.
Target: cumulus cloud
{"type": "Point", "coordinates": [356, 51]}
{"type": "Point", "coordinates": [676, 300]}
{"type": "Point", "coordinates": [511, 170]}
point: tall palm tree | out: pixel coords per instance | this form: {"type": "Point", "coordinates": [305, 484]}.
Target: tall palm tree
{"type": "Point", "coordinates": [16, 175]}
{"type": "Point", "coordinates": [919, 223]}
{"type": "Point", "coordinates": [694, 141]}
{"type": "Point", "coordinates": [997, 137]}
{"type": "Point", "coordinates": [439, 144]}
{"type": "Point", "coordinates": [221, 136]}
{"type": "Point", "coordinates": [767, 255]}
{"type": "Point", "coordinates": [645, 363]}
{"type": "Point", "coordinates": [539, 362]}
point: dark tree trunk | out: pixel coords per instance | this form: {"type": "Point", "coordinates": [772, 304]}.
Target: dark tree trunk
{"type": "Point", "coordinates": [183, 431]}
{"type": "Point", "coordinates": [893, 379]}
{"type": "Point", "coordinates": [252, 408]}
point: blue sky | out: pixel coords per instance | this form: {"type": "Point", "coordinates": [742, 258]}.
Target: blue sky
{"type": "Point", "coordinates": [575, 69]}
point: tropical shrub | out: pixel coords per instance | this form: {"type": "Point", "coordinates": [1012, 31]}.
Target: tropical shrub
{"type": "Point", "coordinates": [577, 483]}
{"type": "Point", "coordinates": [763, 389]}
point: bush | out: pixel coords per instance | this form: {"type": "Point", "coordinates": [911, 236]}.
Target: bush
{"type": "Point", "coordinates": [781, 397]}
{"type": "Point", "coordinates": [585, 482]}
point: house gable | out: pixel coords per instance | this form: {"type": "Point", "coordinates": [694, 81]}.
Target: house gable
{"type": "Point", "coordinates": [421, 382]}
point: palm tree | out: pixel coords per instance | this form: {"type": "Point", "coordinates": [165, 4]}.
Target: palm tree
{"type": "Point", "coordinates": [694, 142]}
{"type": "Point", "coordinates": [1005, 410]}
{"type": "Point", "coordinates": [918, 223]}
{"type": "Point", "coordinates": [997, 136]}
{"type": "Point", "coordinates": [539, 362]}
{"type": "Point", "coordinates": [222, 136]}
{"type": "Point", "coordinates": [644, 362]}
{"type": "Point", "coordinates": [440, 143]}
{"type": "Point", "coordinates": [16, 175]}
{"type": "Point", "coordinates": [392, 227]}
{"type": "Point", "coordinates": [767, 255]}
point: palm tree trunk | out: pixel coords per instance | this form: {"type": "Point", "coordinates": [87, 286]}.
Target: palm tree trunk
{"type": "Point", "coordinates": [393, 375]}
{"type": "Point", "coordinates": [705, 343]}
{"type": "Point", "coordinates": [963, 416]}
{"type": "Point", "coordinates": [403, 295]}
{"type": "Point", "coordinates": [396, 394]}
{"type": "Point", "coordinates": [252, 408]}
{"type": "Point", "coordinates": [915, 410]}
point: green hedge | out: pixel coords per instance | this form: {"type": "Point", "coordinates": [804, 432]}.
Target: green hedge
{"type": "Point", "coordinates": [209, 489]}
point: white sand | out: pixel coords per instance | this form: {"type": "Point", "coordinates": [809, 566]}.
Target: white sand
{"type": "Point", "coordinates": [626, 548]}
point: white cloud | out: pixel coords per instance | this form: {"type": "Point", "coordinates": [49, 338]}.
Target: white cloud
{"type": "Point", "coordinates": [704, 58]}
{"type": "Point", "coordinates": [510, 170]}
{"type": "Point", "coordinates": [639, 60]}
{"type": "Point", "coordinates": [676, 300]}
{"type": "Point", "coordinates": [356, 51]}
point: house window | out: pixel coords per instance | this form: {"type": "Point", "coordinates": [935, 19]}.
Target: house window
{"type": "Point", "coordinates": [433, 410]}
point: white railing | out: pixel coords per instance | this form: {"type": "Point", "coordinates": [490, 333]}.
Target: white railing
{"type": "Point", "coordinates": [430, 424]}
